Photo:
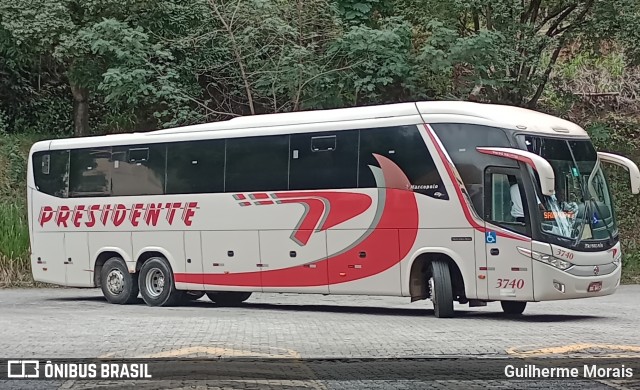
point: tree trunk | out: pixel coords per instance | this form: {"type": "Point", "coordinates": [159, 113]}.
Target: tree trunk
{"type": "Point", "coordinates": [80, 110]}
{"type": "Point", "coordinates": [235, 47]}
{"type": "Point", "coordinates": [545, 78]}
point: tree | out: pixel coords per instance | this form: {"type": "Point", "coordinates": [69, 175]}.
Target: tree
{"type": "Point", "coordinates": [96, 47]}
{"type": "Point", "coordinates": [504, 50]}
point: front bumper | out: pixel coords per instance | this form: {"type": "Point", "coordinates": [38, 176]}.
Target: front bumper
{"type": "Point", "coordinates": [547, 279]}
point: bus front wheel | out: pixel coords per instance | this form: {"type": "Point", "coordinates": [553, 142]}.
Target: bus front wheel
{"type": "Point", "coordinates": [117, 284]}
{"type": "Point", "coordinates": [441, 289]}
{"type": "Point", "coordinates": [513, 307]}
{"type": "Point", "coordinates": [156, 282]}
{"type": "Point", "coordinates": [228, 298]}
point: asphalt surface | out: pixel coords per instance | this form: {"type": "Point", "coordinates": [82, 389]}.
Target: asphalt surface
{"type": "Point", "coordinates": [76, 323]}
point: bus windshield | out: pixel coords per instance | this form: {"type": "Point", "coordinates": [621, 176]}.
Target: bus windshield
{"type": "Point", "coordinates": [581, 209]}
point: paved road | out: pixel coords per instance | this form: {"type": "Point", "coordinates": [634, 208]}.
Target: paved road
{"type": "Point", "coordinates": [76, 323]}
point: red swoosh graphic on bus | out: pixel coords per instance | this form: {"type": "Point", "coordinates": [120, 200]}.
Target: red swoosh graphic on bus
{"type": "Point", "coordinates": [457, 185]}
{"type": "Point", "coordinates": [333, 208]}
{"type": "Point", "coordinates": [336, 207]}
{"type": "Point", "coordinates": [309, 221]}
{"type": "Point", "coordinates": [400, 212]}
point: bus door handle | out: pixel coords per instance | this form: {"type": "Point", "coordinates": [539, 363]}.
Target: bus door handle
{"type": "Point", "coordinates": [494, 251]}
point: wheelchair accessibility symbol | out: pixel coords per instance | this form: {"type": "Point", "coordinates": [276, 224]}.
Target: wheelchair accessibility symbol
{"type": "Point", "coordinates": [490, 237]}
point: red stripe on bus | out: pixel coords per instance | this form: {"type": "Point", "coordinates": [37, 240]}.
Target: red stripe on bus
{"type": "Point", "coordinates": [514, 156]}
{"type": "Point", "coordinates": [264, 202]}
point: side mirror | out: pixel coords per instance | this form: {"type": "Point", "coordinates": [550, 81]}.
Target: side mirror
{"type": "Point", "coordinates": [634, 172]}
{"type": "Point", "coordinates": [542, 166]}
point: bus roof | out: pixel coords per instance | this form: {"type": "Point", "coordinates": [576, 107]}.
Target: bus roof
{"type": "Point", "coordinates": [431, 111]}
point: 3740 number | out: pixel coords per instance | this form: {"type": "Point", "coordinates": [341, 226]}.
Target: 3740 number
{"type": "Point", "coordinates": [565, 254]}
{"type": "Point", "coordinates": [513, 283]}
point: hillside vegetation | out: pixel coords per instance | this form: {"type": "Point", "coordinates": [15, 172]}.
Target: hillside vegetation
{"type": "Point", "coordinates": [70, 68]}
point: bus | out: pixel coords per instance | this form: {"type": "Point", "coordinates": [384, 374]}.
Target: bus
{"type": "Point", "coordinates": [448, 201]}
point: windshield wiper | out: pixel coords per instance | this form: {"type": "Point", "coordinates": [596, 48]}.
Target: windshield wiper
{"type": "Point", "coordinates": [583, 189]}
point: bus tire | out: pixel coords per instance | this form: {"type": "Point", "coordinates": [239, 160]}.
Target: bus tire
{"type": "Point", "coordinates": [117, 284]}
{"type": "Point", "coordinates": [513, 307]}
{"type": "Point", "coordinates": [228, 298]}
{"type": "Point", "coordinates": [441, 289]}
{"type": "Point", "coordinates": [157, 286]}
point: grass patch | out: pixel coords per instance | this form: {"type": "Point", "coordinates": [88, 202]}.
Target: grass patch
{"type": "Point", "coordinates": [631, 268]}
{"type": "Point", "coordinates": [15, 268]}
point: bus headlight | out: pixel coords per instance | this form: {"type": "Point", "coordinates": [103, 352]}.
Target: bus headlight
{"type": "Point", "coordinates": [616, 261]}
{"type": "Point", "coordinates": [558, 263]}
{"type": "Point", "coordinates": [548, 259]}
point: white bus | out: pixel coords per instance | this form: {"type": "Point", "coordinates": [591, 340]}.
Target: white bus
{"type": "Point", "coordinates": [452, 201]}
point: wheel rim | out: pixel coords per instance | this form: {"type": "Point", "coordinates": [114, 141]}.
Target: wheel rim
{"type": "Point", "coordinates": [433, 290]}
{"type": "Point", "coordinates": [115, 281]}
{"type": "Point", "coordinates": [154, 282]}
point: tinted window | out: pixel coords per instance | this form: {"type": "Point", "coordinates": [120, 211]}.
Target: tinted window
{"type": "Point", "coordinates": [507, 206]}
{"type": "Point", "coordinates": [90, 172]}
{"type": "Point", "coordinates": [257, 164]}
{"type": "Point", "coordinates": [324, 160]}
{"type": "Point", "coordinates": [404, 146]}
{"type": "Point", "coordinates": [138, 170]}
{"type": "Point", "coordinates": [324, 143]}
{"type": "Point", "coordinates": [461, 141]}
{"type": "Point", "coordinates": [51, 172]}
{"type": "Point", "coordinates": [195, 167]}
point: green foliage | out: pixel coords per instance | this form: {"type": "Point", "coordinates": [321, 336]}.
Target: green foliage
{"type": "Point", "coordinates": [14, 232]}
{"type": "Point", "coordinates": [482, 53]}
{"type": "Point", "coordinates": [617, 20]}
{"type": "Point", "coordinates": [363, 12]}
{"type": "Point", "coordinates": [14, 245]}
{"type": "Point", "coordinates": [600, 133]}
{"type": "Point", "coordinates": [379, 60]}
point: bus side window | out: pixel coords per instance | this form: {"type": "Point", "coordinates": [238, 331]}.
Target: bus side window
{"type": "Point", "coordinates": [138, 170]}
{"type": "Point", "coordinates": [46, 164]}
{"type": "Point", "coordinates": [53, 176]}
{"type": "Point", "coordinates": [138, 155]}
{"type": "Point", "coordinates": [404, 146]}
{"type": "Point", "coordinates": [323, 144]}
{"type": "Point", "coordinates": [257, 163]}
{"type": "Point", "coordinates": [461, 140]}
{"type": "Point", "coordinates": [195, 167]}
{"type": "Point", "coordinates": [324, 160]}
{"type": "Point", "coordinates": [508, 205]}
{"type": "Point", "coordinates": [90, 172]}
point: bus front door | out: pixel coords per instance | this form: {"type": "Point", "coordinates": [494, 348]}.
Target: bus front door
{"type": "Point", "coordinates": [508, 269]}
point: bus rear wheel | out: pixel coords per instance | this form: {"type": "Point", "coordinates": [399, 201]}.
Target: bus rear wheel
{"type": "Point", "coordinates": [156, 282]}
{"type": "Point", "coordinates": [513, 307]}
{"type": "Point", "coordinates": [117, 284]}
{"type": "Point", "coordinates": [228, 298]}
{"type": "Point", "coordinates": [441, 289]}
